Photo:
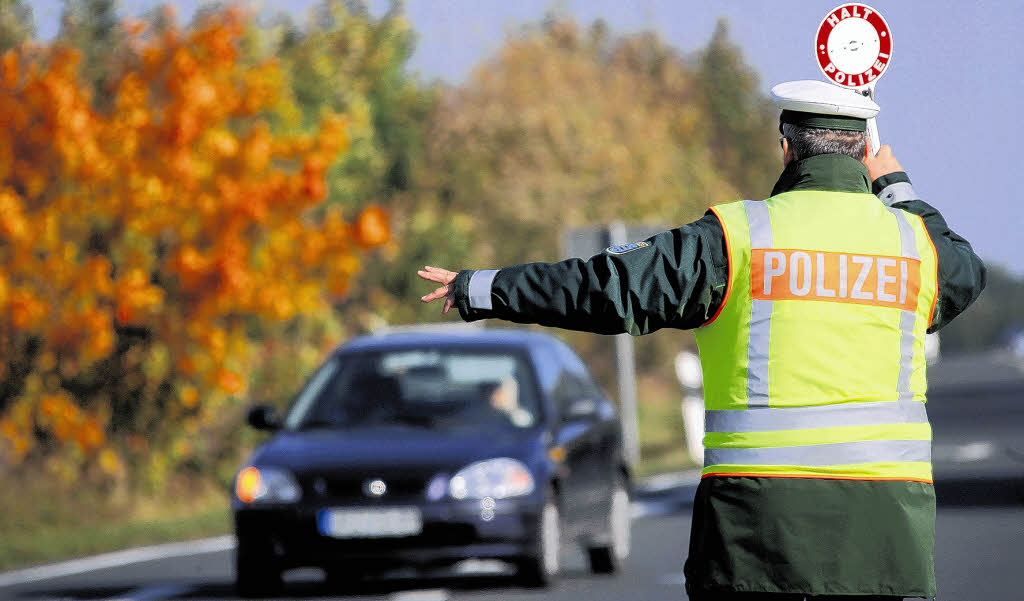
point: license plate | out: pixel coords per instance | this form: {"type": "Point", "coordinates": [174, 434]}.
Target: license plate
{"type": "Point", "coordinates": [370, 523]}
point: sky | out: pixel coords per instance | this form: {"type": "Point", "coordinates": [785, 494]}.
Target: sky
{"type": "Point", "coordinates": [951, 97]}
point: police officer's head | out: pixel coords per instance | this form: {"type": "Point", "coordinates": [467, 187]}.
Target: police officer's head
{"type": "Point", "coordinates": [800, 142]}
{"type": "Point", "coordinates": [820, 118]}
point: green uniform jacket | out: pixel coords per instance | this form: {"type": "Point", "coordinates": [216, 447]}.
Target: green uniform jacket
{"type": "Point", "coordinates": [752, 534]}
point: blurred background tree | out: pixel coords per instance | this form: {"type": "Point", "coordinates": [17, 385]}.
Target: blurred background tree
{"type": "Point", "coordinates": [93, 28]}
{"type": "Point", "coordinates": [16, 23]}
{"type": "Point", "coordinates": [738, 115]}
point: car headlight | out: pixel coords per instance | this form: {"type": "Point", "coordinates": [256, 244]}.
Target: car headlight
{"type": "Point", "coordinates": [266, 485]}
{"type": "Point", "coordinates": [496, 478]}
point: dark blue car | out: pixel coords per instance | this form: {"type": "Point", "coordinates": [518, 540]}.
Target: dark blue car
{"type": "Point", "coordinates": [425, 449]}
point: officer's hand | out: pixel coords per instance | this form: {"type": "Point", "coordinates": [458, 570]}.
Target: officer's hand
{"type": "Point", "coordinates": [446, 291]}
{"type": "Point", "coordinates": [882, 163]}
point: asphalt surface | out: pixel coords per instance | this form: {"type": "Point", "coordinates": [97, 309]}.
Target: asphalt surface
{"type": "Point", "coordinates": [979, 556]}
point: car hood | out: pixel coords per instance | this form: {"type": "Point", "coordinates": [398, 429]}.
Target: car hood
{"type": "Point", "coordinates": [385, 447]}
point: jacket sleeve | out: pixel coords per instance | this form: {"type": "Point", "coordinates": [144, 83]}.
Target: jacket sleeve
{"type": "Point", "coordinates": [674, 279]}
{"type": "Point", "coordinates": [961, 272]}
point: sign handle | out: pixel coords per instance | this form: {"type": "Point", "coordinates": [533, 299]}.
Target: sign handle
{"type": "Point", "coordinates": [873, 138]}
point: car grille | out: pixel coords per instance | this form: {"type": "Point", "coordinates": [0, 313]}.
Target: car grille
{"type": "Point", "coordinates": [346, 487]}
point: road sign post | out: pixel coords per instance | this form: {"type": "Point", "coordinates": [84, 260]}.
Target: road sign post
{"type": "Point", "coordinates": [625, 361]}
{"type": "Point", "coordinates": [584, 243]}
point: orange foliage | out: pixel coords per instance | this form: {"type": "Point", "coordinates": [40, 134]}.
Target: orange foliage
{"type": "Point", "coordinates": [176, 212]}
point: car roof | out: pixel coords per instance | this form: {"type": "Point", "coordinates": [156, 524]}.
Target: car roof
{"type": "Point", "coordinates": [479, 337]}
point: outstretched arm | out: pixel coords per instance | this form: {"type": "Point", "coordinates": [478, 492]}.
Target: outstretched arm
{"type": "Point", "coordinates": [674, 279]}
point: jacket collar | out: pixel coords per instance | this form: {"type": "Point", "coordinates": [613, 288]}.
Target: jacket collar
{"type": "Point", "coordinates": [828, 172]}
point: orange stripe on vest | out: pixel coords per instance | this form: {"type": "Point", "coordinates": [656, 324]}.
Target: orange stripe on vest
{"type": "Point", "coordinates": [883, 281]}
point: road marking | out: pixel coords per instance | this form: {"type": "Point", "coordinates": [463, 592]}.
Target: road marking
{"type": "Point", "coordinates": [425, 595]}
{"type": "Point", "coordinates": [155, 593]}
{"type": "Point", "coordinates": [117, 559]}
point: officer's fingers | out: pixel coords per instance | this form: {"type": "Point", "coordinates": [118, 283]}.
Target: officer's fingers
{"type": "Point", "coordinates": [439, 293]}
{"type": "Point", "coordinates": [432, 276]}
{"type": "Point", "coordinates": [884, 152]}
{"type": "Point", "coordinates": [448, 303]}
{"type": "Point", "coordinates": [448, 276]}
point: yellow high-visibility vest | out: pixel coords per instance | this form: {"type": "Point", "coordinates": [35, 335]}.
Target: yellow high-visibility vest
{"type": "Point", "coordinates": [814, 366]}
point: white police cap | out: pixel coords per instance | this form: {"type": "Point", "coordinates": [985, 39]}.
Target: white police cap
{"type": "Point", "coordinates": [811, 103]}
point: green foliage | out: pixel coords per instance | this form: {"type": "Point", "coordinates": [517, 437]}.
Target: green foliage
{"type": "Point", "coordinates": [743, 122]}
{"type": "Point", "coordinates": [347, 61]}
{"type": "Point", "coordinates": [16, 24]}
{"type": "Point", "coordinates": [93, 28]}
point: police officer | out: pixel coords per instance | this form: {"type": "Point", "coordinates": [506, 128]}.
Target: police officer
{"type": "Point", "coordinates": [810, 310]}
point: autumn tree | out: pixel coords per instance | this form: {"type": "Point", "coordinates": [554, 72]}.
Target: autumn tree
{"type": "Point", "coordinates": [143, 249]}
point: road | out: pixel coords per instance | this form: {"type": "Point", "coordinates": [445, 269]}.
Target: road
{"type": "Point", "coordinates": [978, 558]}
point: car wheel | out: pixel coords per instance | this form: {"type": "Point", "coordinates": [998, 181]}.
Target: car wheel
{"type": "Point", "coordinates": [540, 569]}
{"type": "Point", "coordinates": [256, 574]}
{"type": "Point", "coordinates": [609, 558]}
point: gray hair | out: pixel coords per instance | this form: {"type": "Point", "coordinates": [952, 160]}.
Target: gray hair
{"type": "Point", "coordinates": [812, 141]}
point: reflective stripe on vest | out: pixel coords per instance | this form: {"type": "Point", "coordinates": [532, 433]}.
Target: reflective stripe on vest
{"type": "Point", "coordinates": [859, 438]}
{"type": "Point", "coordinates": [909, 249]}
{"type": "Point", "coordinates": [760, 312]}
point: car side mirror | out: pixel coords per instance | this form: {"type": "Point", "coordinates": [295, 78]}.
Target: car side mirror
{"type": "Point", "coordinates": [582, 410]}
{"type": "Point", "coordinates": [264, 417]}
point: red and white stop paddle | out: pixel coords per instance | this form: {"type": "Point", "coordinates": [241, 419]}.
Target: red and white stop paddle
{"type": "Point", "coordinates": [854, 47]}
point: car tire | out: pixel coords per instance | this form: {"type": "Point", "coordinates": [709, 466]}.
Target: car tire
{"type": "Point", "coordinates": [609, 558]}
{"type": "Point", "coordinates": [541, 568]}
{"type": "Point", "coordinates": [256, 574]}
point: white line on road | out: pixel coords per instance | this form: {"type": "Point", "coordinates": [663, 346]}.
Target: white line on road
{"type": "Point", "coordinates": [118, 558]}
{"type": "Point", "coordinates": [425, 595]}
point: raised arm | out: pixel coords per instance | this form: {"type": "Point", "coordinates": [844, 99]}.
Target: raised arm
{"type": "Point", "coordinates": [961, 272]}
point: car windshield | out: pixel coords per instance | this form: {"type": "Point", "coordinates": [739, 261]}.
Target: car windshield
{"type": "Point", "coordinates": [436, 389]}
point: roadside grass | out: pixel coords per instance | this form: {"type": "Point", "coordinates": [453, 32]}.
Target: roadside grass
{"type": "Point", "coordinates": [42, 523]}
{"type": "Point", "coordinates": [48, 545]}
